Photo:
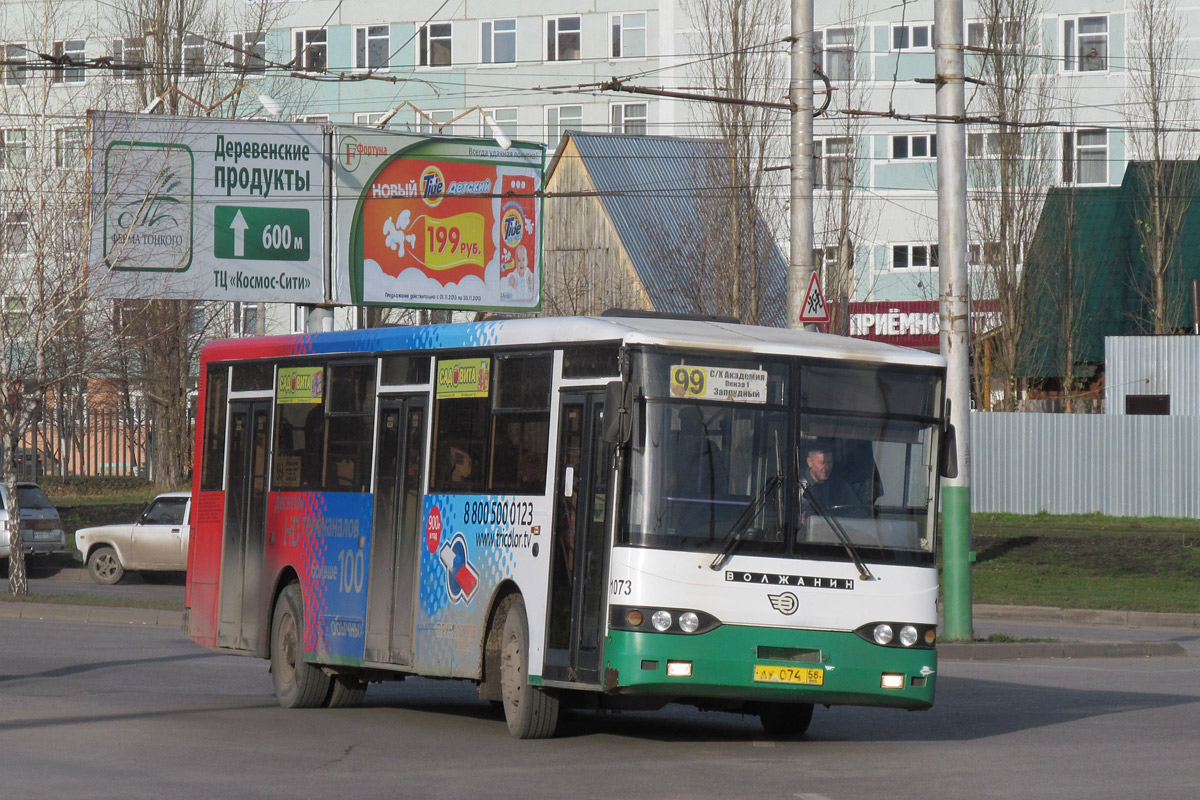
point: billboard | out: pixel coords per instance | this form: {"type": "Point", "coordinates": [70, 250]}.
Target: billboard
{"type": "Point", "coordinates": [197, 208]}
{"type": "Point", "coordinates": [437, 222]}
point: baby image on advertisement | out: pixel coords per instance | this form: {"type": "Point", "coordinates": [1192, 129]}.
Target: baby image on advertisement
{"type": "Point", "coordinates": [521, 282]}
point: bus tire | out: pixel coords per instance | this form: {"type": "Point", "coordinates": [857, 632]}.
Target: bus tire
{"type": "Point", "coordinates": [346, 691]}
{"type": "Point", "coordinates": [530, 711]}
{"type": "Point", "coordinates": [785, 719]}
{"type": "Point", "coordinates": [298, 684]}
{"type": "Point", "coordinates": [104, 566]}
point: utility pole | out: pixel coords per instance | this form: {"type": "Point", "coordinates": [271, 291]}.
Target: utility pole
{"type": "Point", "coordinates": [954, 311]}
{"type": "Point", "coordinates": [800, 93]}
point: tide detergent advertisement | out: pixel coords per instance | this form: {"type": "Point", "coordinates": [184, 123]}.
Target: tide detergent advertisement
{"type": "Point", "coordinates": [448, 224]}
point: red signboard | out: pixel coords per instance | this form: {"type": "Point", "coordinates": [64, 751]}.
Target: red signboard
{"type": "Point", "coordinates": [912, 323]}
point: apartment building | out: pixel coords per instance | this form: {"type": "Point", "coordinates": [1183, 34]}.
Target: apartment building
{"type": "Point", "coordinates": [535, 70]}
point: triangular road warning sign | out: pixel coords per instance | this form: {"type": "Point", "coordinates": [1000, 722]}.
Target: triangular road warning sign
{"type": "Point", "coordinates": [813, 309]}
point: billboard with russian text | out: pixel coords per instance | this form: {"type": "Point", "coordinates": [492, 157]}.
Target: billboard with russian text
{"type": "Point", "coordinates": [437, 222]}
{"type": "Point", "coordinates": [206, 209]}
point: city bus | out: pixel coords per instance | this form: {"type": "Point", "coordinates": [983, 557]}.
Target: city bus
{"type": "Point", "coordinates": [613, 512]}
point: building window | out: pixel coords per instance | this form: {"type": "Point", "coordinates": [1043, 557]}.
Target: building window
{"type": "Point", "coordinates": [372, 46]}
{"type": "Point", "coordinates": [192, 56]}
{"type": "Point", "coordinates": [825, 258]}
{"type": "Point", "coordinates": [1085, 44]}
{"type": "Point", "coordinates": [912, 37]}
{"type": "Point", "coordinates": [498, 41]}
{"type": "Point", "coordinates": [368, 119]}
{"type": "Point", "coordinates": [69, 53]}
{"type": "Point", "coordinates": [980, 254]}
{"type": "Point", "coordinates": [916, 145]}
{"type": "Point", "coordinates": [69, 146]}
{"type": "Point", "coordinates": [313, 119]}
{"type": "Point", "coordinates": [14, 314]}
{"type": "Point", "coordinates": [129, 55]}
{"type": "Point", "coordinates": [1085, 156]}
{"type": "Point", "coordinates": [436, 47]}
{"type": "Point", "coordinates": [560, 119]}
{"type": "Point", "coordinates": [16, 234]}
{"type": "Point", "coordinates": [250, 55]}
{"type": "Point", "coordinates": [12, 148]}
{"type": "Point", "coordinates": [995, 34]}
{"type": "Point", "coordinates": [629, 118]}
{"type": "Point", "coordinates": [628, 35]}
{"type": "Point", "coordinates": [914, 256]}
{"type": "Point", "coordinates": [834, 52]}
{"type": "Point", "coordinates": [245, 319]}
{"type": "Point", "coordinates": [311, 53]}
{"type": "Point", "coordinates": [562, 39]}
{"type": "Point", "coordinates": [435, 122]}
{"type": "Point", "coordinates": [833, 162]}
{"type": "Point", "coordinates": [506, 118]}
{"type": "Point", "coordinates": [15, 72]}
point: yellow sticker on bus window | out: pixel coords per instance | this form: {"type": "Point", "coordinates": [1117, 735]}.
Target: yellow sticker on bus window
{"type": "Point", "coordinates": [464, 377]}
{"type": "Point", "coordinates": [719, 383]}
{"type": "Point", "coordinates": [300, 385]}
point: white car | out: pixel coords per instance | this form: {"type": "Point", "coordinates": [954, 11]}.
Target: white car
{"type": "Point", "coordinates": [157, 542]}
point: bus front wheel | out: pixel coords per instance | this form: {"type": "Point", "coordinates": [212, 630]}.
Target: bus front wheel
{"type": "Point", "coordinates": [298, 684]}
{"type": "Point", "coordinates": [530, 711]}
{"type": "Point", "coordinates": [785, 719]}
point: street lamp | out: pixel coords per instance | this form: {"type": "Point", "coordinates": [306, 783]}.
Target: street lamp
{"type": "Point", "coordinates": [272, 106]}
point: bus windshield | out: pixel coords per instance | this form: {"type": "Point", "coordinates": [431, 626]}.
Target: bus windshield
{"type": "Point", "coordinates": [796, 456]}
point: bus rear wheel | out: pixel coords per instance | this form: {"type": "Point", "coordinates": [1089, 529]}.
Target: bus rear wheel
{"type": "Point", "coordinates": [530, 711]}
{"type": "Point", "coordinates": [346, 691]}
{"type": "Point", "coordinates": [298, 684]}
{"type": "Point", "coordinates": [785, 719]}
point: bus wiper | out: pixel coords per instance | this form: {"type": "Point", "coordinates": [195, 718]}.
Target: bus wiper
{"type": "Point", "coordinates": [843, 537]}
{"type": "Point", "coordinates": [737, 531]}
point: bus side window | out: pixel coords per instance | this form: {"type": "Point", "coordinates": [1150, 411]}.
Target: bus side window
{"type": "Point", "coordinates": [460, 441]}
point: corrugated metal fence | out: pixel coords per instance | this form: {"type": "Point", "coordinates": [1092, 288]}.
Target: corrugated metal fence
{"type": "Point", "coordinates": [1133, 466]}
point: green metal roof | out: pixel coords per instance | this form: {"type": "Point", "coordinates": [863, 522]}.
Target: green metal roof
{"type": "Point", "coordinates": [1099, 224]}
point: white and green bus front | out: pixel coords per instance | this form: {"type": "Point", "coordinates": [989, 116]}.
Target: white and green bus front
{"type": "Point", "coordinates": [775, 530]}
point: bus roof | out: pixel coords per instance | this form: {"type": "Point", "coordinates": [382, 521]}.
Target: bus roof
{"type": "Point", "coordinates": [666, 332]}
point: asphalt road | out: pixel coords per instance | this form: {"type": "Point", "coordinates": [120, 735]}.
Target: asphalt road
{"type": "Point", "coordinates": [102, 711]}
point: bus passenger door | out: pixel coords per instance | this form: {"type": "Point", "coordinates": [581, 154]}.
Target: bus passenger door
{"type": "Point", "coordinates": [399, 463]}
{"type": "Point", "coordinates": [575, 623]}
{"type": "Point", "coordinates": [244, 537]}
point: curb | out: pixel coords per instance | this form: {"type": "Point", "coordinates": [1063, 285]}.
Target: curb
{"type": "Point", "coordinates": [1083, 616]}
{"type": "Point", "coordinates": [107, 615]}
{"type": "Point", "coordinates": [999, 651]}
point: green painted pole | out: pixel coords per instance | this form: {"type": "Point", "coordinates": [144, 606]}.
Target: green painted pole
{"type": "Point", "coordinates": [956, 562]}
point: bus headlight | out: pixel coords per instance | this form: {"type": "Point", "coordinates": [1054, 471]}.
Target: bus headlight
{"type": "Point", "coordinates": [899, 634]}
{"type": "Point", "coordinates": [675, 621]}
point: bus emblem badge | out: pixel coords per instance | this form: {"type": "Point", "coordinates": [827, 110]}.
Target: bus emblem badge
{"type": "Point", "coordinates": [461, 576]}
{"type": "Point", "coordinates": [785, 603]}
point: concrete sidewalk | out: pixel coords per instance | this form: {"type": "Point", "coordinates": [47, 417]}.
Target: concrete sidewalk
{"type": "Point", "coordinates": [955, 651]}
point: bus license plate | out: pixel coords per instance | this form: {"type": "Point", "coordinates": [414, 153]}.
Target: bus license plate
{"type": "Point", "coordinates": [808, 677]}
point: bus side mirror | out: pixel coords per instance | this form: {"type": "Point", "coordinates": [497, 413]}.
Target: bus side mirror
{"type": "Point", "coordinates": [948, 458]}
{"type": "Point", "coordinates": [618, 416]}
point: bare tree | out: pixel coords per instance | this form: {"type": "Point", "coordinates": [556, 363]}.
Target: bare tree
{"type": "Point", "coordinates": [1009, 172]}
{"type": "Point", "coordinates": [46, 335]}
{"type": "Point", "coordinates": [741, 39]}
{"type": "Point", "coordinates": [1161, 120]}
{"type": "Point", "coordinates": [177, 60]}
{"type": "Point", "coordinates": [842, 215]}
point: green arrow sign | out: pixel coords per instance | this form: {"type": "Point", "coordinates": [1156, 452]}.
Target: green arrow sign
{"type": "Point", "coordinates": [260, 234]}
